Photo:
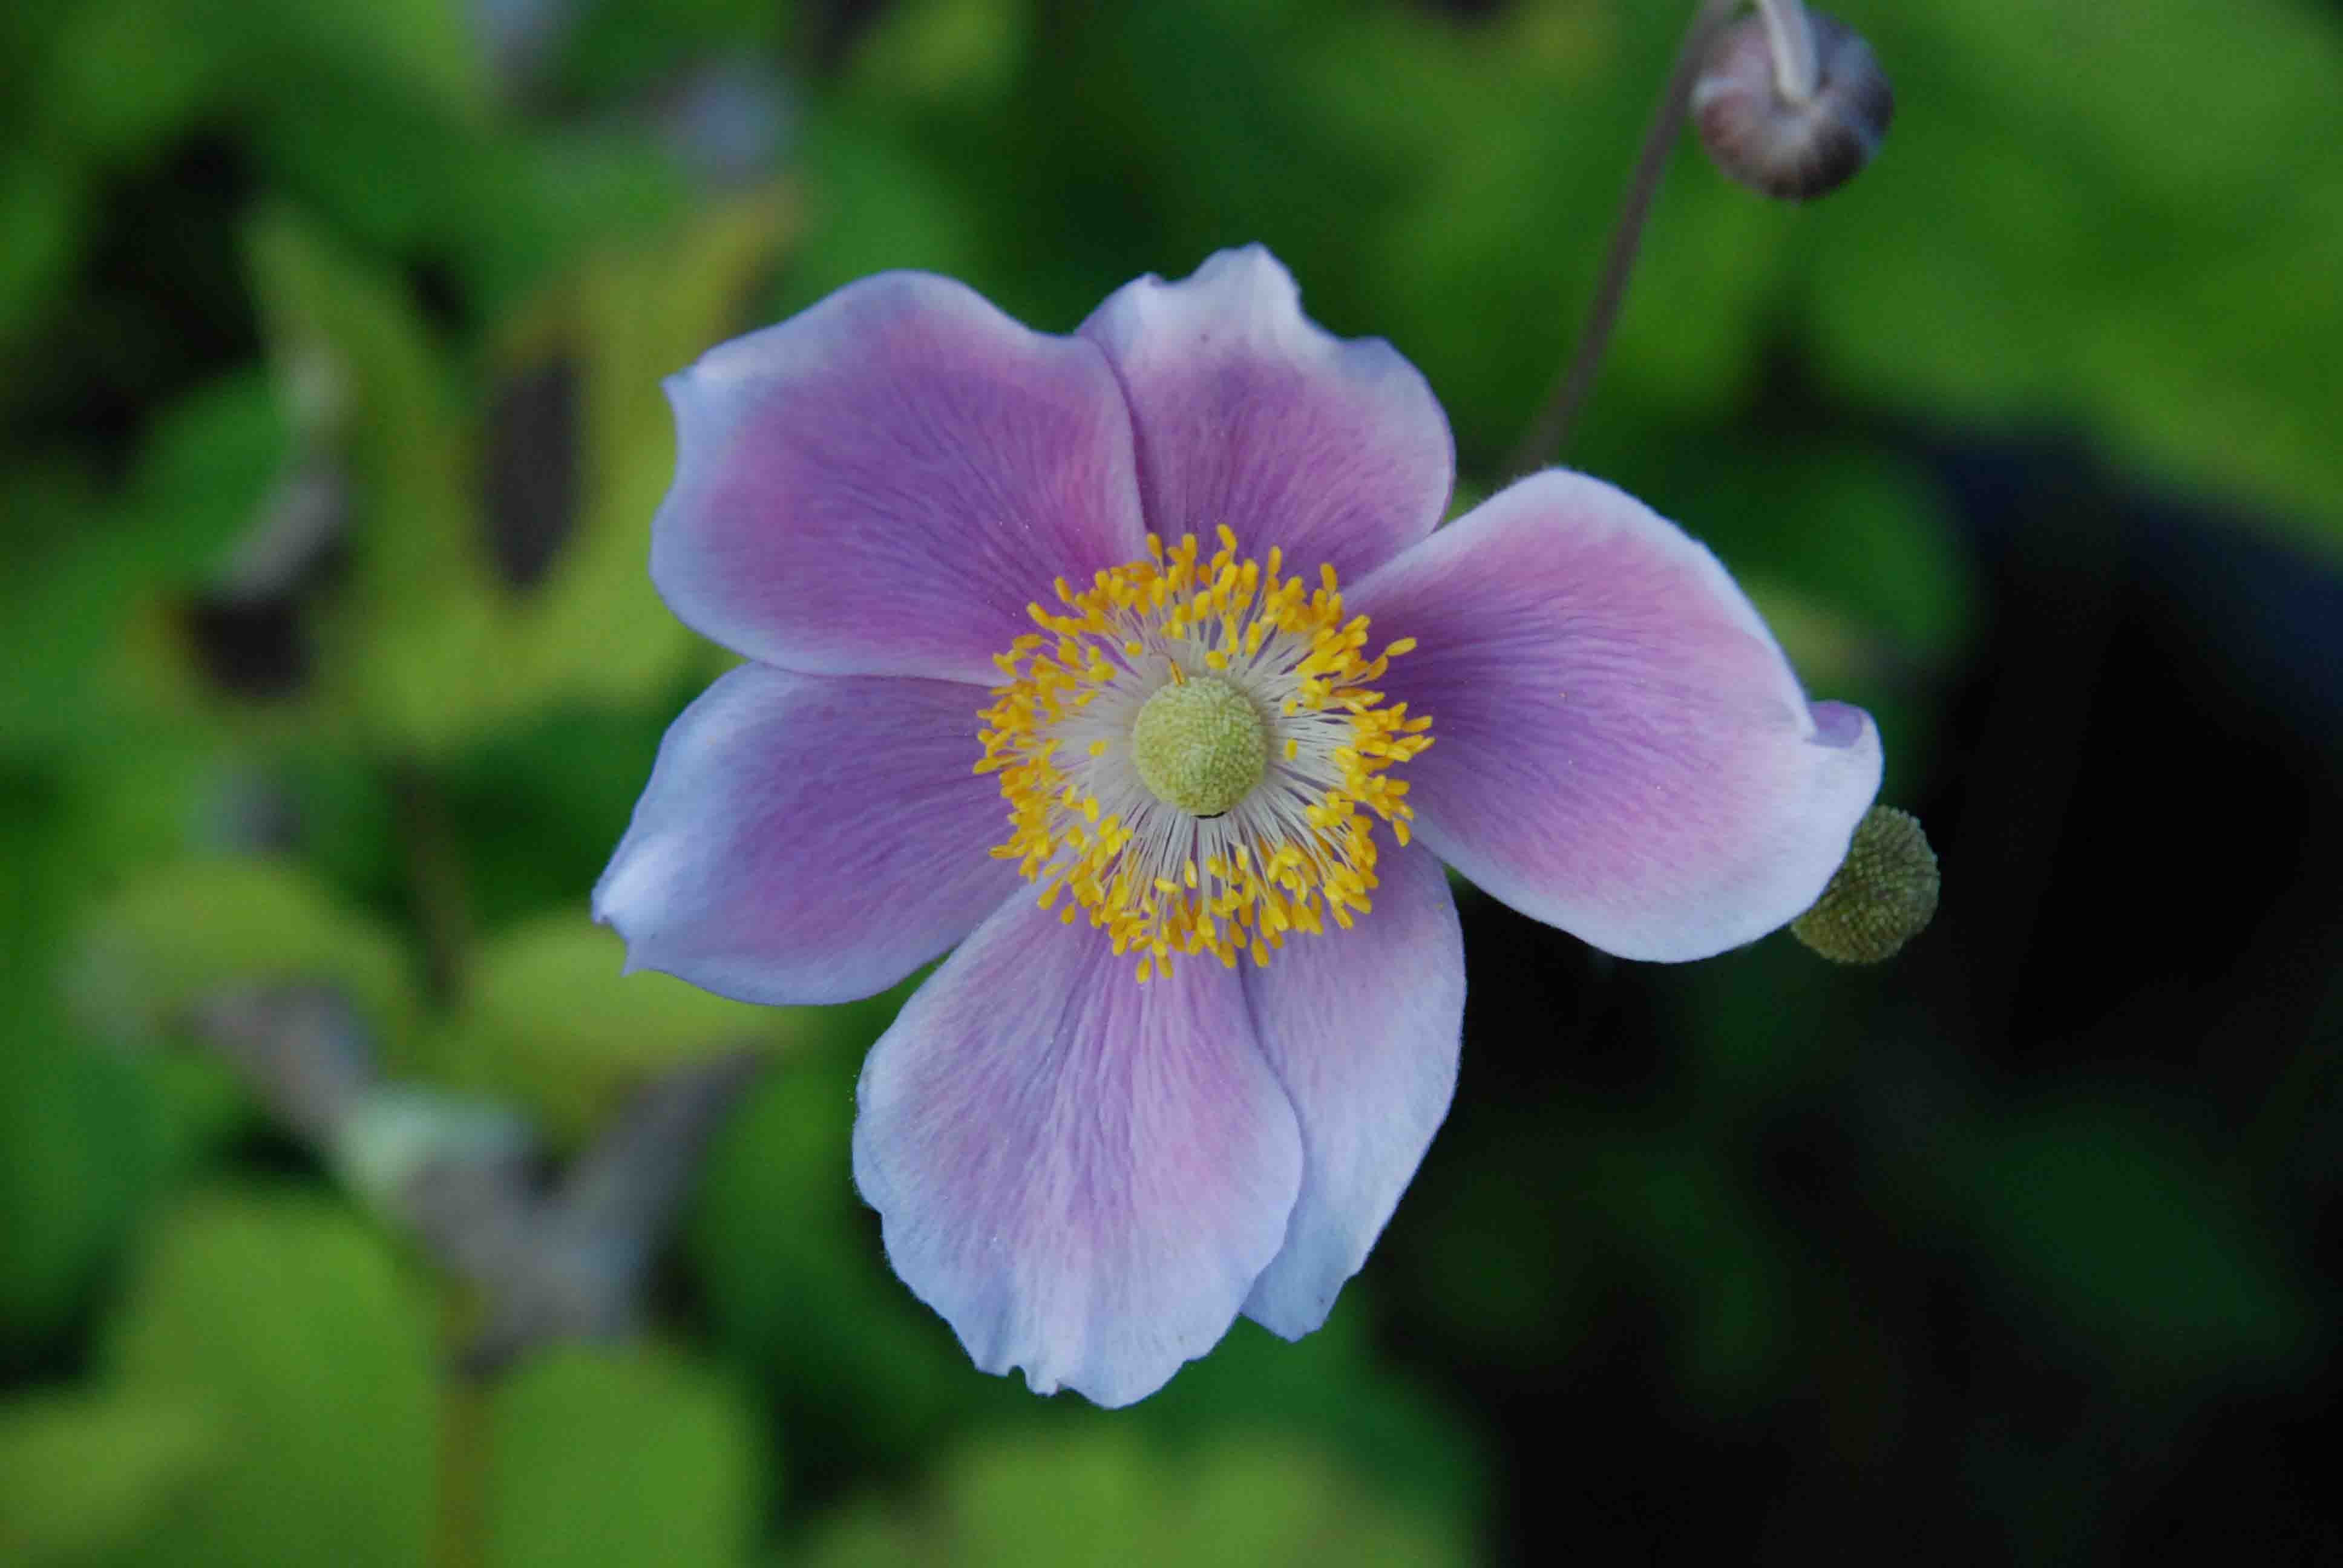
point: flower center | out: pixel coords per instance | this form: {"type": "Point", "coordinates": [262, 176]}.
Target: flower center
{"type": "Point", "coordinates": [1193, 754]}
{"type": "Point", "coordinates": [1200, 744]}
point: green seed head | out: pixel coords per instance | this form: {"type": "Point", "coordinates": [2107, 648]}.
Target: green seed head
{"type": "Point", "coordinates": [1200, 744]}
{"type": "Point", "coordinates": [1880, 896]}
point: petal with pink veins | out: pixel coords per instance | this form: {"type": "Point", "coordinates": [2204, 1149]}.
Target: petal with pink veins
{"type": "Point", "coordinates": [1621, 748]}
{"type": "Point", "coordinates": [1362, 1027]}
{"type": "Point", "coordinates": [882, 483]}
{"type": "Point", "coordinates": [1084, 1175]}
{"type": "Point", "coordinates": [1250, 415]}
{"type": "Point", "coordinates": [808, 839]}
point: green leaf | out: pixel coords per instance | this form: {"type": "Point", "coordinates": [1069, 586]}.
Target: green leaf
{"type": "Point", "coordinates": [795, 1279]}
{"type": "Point", "coordinates": [379, 165]}
{"type": "Point", "coordinates": [69, 614]}
{"type": "Point", "coordinates": [620, 48]}
{"type": "Point", "coordinates": [940, 51]}
{"type": "Point", "coordinates": [552, 1020]}
{"type": "Point", "coordinates": [875, 202]}
{"type": "Point", "coordinates": [42, 211]}
{"type": "Point", "coordinates": [204, 473]}
{"type": "Point", "coordinates": [1488, 251]}
{"type": "Point", "coordinates": [85, 1139]}
{"type": "Point", "coordinates": [1090, 1492]}
{"type": "Point", "coordinates": [411, 632]}
{"type": "Point", "coordinates": [1399, 1437]}
{"type": "Point", "coordinates": [426, 50]}
{"type": "Point", "coordinates": [424, 616]}
{"type": "Point", "coordinates": [283, 1323]}
{"type": "Point", "coordinates": [1103, 1492]}
{"type": "Point", "coordinates": [121, 76]}
{"type": "Point", "coordinates": [1279, 1503]}
{"type": "Point", "coordinates": [2073, 218]}
{"type": "Point", "coordinates": [1864, 532]}
{"type": "Point", "coordinates": [557, 196]}
{"type": "Point", "coordinates": [69, 593]}
{"type": "Point", "coordinates": [539, 807]}
{"type": "Point", "coordinates": [208, 922]}
{"type": "Point", "coordinates": [83, 1475]}
{"type": "Point", "coordinates": [596, 630]}
{"type": "Point", "coordinates": [620, 1457]}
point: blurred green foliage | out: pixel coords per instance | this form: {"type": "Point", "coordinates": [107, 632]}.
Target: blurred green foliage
{"type": "Point", "coordinates": [1246, 1503]}
{"type": "Point", "coordinates": [370, 248]}
{"type": "Point", "coordinates": [2188, 1287]}
{"type": "Point", "coordinates": [551, 1024]}
{"type": "Point", "coordinates": [634, 1457]}
{"type": "Point", "coordinates": [203, 923]}
{"type": "Point", "coordinates": [273, 1375]}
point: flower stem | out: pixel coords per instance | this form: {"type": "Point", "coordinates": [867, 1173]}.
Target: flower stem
{"type": "Point", "coordinates": [1550, 425]}
{"type": "Point", "coordinates": [1797, 71]}
{"type": "Point", "coordinates": [459, 1517]}
{"type": "Point", "coordinates": [436, 880]}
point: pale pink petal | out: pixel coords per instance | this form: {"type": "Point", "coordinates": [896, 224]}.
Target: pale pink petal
{"type": "Point", "coordinates": [808, 839]}
{"type": "Point", "coordinates": [1622, 749]}
{"type": "Point", "coordinates": [1362, 1027]}
{"type": "Point", "coordinates": [1250, 415]}
{"type": "Point", "coordinates": [1083, 1174]}
{"type": "Point", "coordinates": [882, 483]}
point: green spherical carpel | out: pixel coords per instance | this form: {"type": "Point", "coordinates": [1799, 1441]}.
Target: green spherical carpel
{"type": "Point", "coordinates": [1200, 744]}
{"type": "Point", "coordinates": [1882, 896]}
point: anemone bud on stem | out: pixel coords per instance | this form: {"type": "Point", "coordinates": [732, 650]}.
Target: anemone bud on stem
{"type": "Point", "coordinates": [1791, 103]}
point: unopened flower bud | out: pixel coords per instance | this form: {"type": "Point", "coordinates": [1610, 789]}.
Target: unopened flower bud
{"type": "Point", "coordinates": [1882, 896]}
{"type": "Point", "coordinates": [1791, 103]}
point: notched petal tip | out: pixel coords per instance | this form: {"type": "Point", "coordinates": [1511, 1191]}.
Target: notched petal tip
{"type": "Point", "coordinates": [617, 901]}
{"type": "Point", "coordinates": [1082, 1175]}
{"type": "Point", "coordinates": [1249, 413]}
{"type": "Point", "coordinates": [1255, 273]}
{"type": "Point", "coordinates": [1842, 725]}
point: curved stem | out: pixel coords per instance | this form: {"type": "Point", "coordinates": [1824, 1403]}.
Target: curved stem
{"type": "Point", "coordinates": [1797, 71]}
{"type": "Point", "coordinates": [1550, 425]}
{"type": "Point", "coordinates": [435, 879]}
{"type": "Point", "coordinates": [460, 1480]}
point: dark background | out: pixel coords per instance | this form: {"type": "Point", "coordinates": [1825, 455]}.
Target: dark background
{"type": "Point", "coordinates": [352, 1209]}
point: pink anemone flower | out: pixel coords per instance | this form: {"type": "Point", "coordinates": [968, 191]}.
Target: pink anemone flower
{"type": "Point", "coordinates": [1134, 671]}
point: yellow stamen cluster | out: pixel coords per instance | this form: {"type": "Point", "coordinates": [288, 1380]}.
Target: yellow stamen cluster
{"type": "Point", "coordinates": [1162, 881]}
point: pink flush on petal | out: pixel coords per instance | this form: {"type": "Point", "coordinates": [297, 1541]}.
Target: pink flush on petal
{"type": "Point", "coordinates": [1118, 660]}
